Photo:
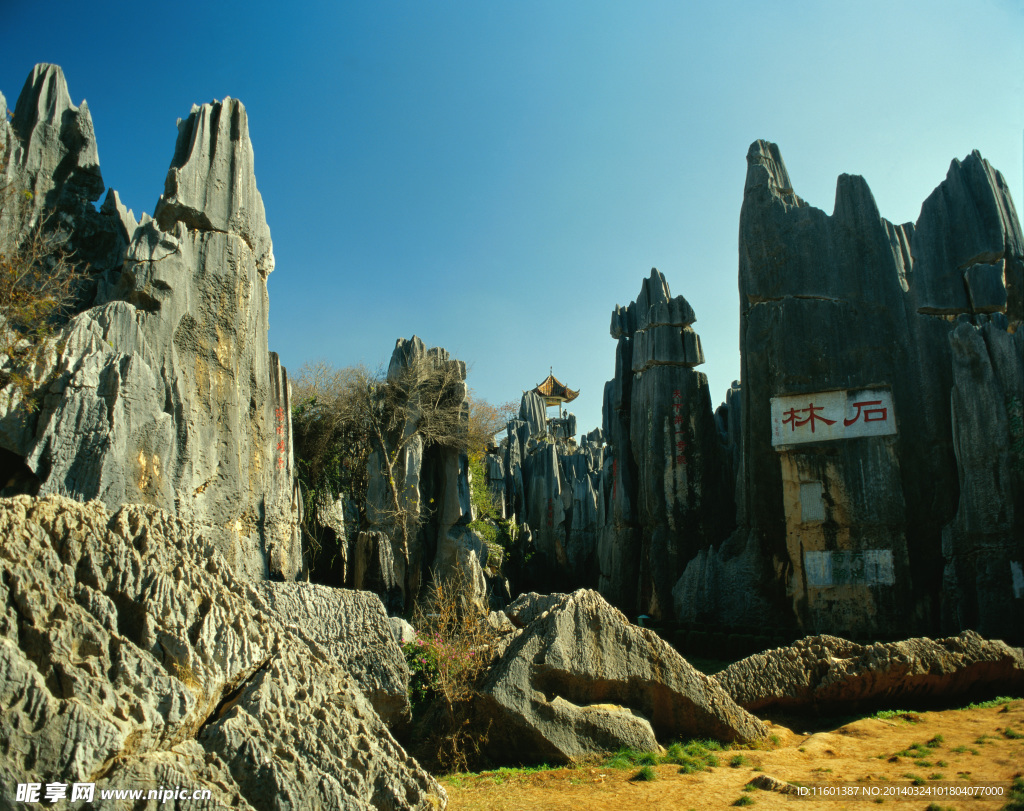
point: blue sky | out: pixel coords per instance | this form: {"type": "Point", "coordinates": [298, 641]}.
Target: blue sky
{"type": "Point", "coordinates": [496, 176]}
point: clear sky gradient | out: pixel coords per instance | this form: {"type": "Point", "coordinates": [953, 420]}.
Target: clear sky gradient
{"type": "Point", "coordinates": [495, 176]}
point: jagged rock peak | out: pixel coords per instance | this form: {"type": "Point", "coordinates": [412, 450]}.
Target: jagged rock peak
{"type": "Point", "coordinates": [408, 351]}
{"type": "Point", "coordinates": [766, 168]}
{"type": "Point", "coordinates": [653, 292]}
{"type": "Point", "coordinates": [659, 326]}
{"type": "Point", "coordinates": [211, 184]}
{"type": "Point", "coordinates": [57, 137]}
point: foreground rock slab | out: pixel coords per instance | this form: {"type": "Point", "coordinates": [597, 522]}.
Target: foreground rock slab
{"type": "Point", "coordinates": [580, 680]}
{"type": "Point", "coordinates": [131, 655]}
{"type": "Point", "coordinates": [352, 628]}
{"type": "Point", "coordinates": [827, 674]}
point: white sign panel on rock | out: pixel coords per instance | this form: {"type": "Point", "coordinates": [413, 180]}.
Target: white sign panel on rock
{"type": "Point", "coordinates": [830, 415]}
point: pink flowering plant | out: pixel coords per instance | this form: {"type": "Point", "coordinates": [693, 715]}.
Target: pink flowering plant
{"type": "Point", "coordinates": [423, 678]}
{"type": "Point", "coordinates": [452, 647]}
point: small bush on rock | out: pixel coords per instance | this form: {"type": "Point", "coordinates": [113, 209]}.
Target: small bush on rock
{"type": "Point", "coordinates": [447, 662]}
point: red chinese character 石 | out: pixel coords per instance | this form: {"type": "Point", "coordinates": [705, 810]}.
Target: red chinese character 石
{"type": "Point", "coordinates": [869, 414]}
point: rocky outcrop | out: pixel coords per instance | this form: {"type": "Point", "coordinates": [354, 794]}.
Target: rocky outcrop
{"type": "Point", "coordinates": [164, 393]}
{"type": "Point", "coordinates": [132, 655]}
{"type": "Point", "coordinates": [49, 167]}
{"type": "Point", "coordinates": [847, 470]}
{"type": "Point", "coordinates": [552, 485]}
{"type": "Point", "coordinates": [668, 491]}
{"type": "Point", "coordinates": [351, 628]}
{"type": "Point", "coordinates": [579, 679]}
{"type": "Point", "coordinates": [827, 674]}
{"type": "Point", "coordinates": [983, 546]}
{"type": "Point", "coordinates": [433, 478]}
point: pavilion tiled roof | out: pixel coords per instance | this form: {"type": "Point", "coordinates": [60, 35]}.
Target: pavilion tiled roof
{"type": "Point", "coordinates": [553, 389]}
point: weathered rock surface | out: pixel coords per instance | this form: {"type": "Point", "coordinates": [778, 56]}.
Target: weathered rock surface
{"type": "Point", "coordinates": [983, 546]}
{"type": "Point", "coordinates": [828, 674]}
{"type": "Point", "coordinates": [132, 655]}
{"type": "Point", "coordinates": [580, 679]}
{"type": "Point", "coordinates": [351, 627]}
{"type": "Point", "coordinates": [553, 486]}
{"type": "Point", "coordinates": [669, 483]}
{"type": "Point", "coordinates": [50, 150]}
{"type": "Point", "coordinates": [848, 531]}
{"type": "Point", "coordinates": [166, 395]}
{"type": "Point", "coordinates": [437, 476]}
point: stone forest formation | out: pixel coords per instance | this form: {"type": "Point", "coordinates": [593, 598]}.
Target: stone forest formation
{"type": "Point", "coordinates": [862, 484]}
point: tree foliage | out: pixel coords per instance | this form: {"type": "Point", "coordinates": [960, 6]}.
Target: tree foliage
{"type": "Point", "coordinates": [38, 282]}
{"type": "Point", "coordinates": [346, 421]}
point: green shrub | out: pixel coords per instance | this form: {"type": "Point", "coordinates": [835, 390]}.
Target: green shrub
{"type": "Point", "coordinates": [645, 774]}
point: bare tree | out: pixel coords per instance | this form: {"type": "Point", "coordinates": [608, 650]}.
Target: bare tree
{"type": "Point", "coordinates": [38, 282]}
{"type": "Point", "coordinates": [347, 421]}
{"type": "Point", "coordinates": [420, 401]}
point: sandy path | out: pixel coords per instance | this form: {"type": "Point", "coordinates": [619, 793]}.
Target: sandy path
{"type": "Point", "coordinates": [862, 754]}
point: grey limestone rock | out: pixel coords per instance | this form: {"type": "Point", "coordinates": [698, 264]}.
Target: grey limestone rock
{"type": "Point", "coordinates": [403, 632]}
{"type": "Point", "coordinates": [983, 545]}
{"type": "Point", "coordinates": [373, 568]}
{"type": "Point", "coordinates": [352, 627]}
{"type": "Point", "coordinates": [580, 679]}
{"type": "Point", "coordinates": [50, 152]}
{"type": "Point", "coordinates": [829, 674]}
{"type": "Point", "coordinates": [849, 530]}
{"type": "Point", "coordinates": [436, 475]}
{"type": "Point", "coordinates": [210, 188]}
{"type": "Point", "coordinates": [533, 412]}
{"type": "Point", "coordinates": [462, 558]}
{"type": "Point", "coordinates": [668, 493]}
{"type": "Point", "coordinates": [530, 605]}
{"type": "Point", "coordinates": [167, 395]}
{"type": "Point", "coordinates": [132, 654]}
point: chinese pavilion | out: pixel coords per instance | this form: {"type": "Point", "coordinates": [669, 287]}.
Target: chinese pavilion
{"type": "Point", "coordinates": [553, 392]}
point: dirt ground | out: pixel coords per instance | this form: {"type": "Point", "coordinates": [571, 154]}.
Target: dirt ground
{"type": "Point", "coordinates": [974, 746]}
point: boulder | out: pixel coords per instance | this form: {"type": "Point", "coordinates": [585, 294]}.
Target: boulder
{"type": "Point", "coordinates": [131, 654]}
{"type": "Point", "coordinates": [353, 628]}
{"type": "Point", "coordinates": [402, 630]}
{"type": "Point", "coordinates": [580, 680]}
{"type": "Point", "coordinates": [827, 674]}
